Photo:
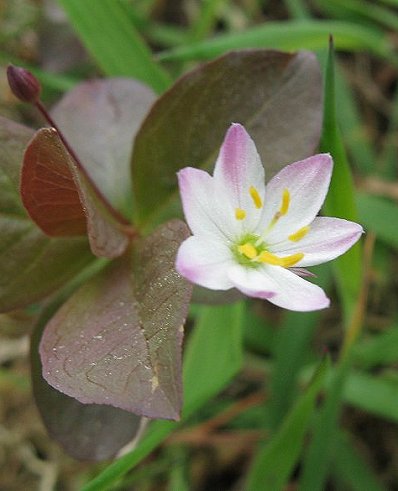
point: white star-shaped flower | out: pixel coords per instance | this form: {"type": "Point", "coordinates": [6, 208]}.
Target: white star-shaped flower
{"type": "Point", "coordinates": [257, 237]}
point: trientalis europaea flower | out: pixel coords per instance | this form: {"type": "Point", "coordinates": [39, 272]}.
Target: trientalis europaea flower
{"type": "Point", "coordinates": [257, 237]}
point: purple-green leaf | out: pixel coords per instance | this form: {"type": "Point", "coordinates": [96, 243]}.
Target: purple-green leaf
{"type": "Point", "coordinates": [60, 198]}
{"type": "Point", "coordinates": [100, 119]}
{"type": "Point", "coordinates": [31, 264]}
{"type": "Point", "coordinates": [85, 431]}
{"type": "Point", "coordinates": [117, 340]}
{"type": "Point", "coordinates": [277, 96]}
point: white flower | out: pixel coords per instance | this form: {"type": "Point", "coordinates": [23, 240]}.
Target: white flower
{"type": "Point", "coordinates": [255, 237]}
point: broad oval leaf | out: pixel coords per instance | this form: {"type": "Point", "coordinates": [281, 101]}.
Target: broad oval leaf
{"type": "Point", "coordinates": [100, 119]}
{"type": "Point", "coordinates": [31, 264]}
{"type": "Point", "coordinates": [85, 431]}
{"type": "Point", "coordinates": [277, 96]}
{"type": "Point", "coordinates": [117, 340]}
{"type": "Point", "coordinates": [60, 198]}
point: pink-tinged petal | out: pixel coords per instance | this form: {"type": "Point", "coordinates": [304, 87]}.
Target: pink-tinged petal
{"type": "Point", "coordinates": [280, 286]}
{"type": "Point", "coordinates": [327, 239]}
{"type": "Point", "coordinates": [203, 214]}
{"type": "Point", "coordinates": [307, 183]}
{"type": "Point", "coordinates": [205, 263]}
{"type": "Point", "coordinates": [237, 172]}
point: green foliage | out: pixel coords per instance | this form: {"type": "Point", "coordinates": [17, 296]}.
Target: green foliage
{"type": "Point", "coordinates": [274, 463]}
{"type": "Point", "coordinates": [113, 41]}
{"type": "Point", "coordinates": [289, 35]}
{"type": "Point", "coordinates": [340, 201]}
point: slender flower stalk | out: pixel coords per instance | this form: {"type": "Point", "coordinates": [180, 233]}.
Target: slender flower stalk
{"type": "Point", "coordinates": [260, 238]}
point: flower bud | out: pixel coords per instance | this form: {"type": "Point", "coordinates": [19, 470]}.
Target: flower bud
{"type": "Point", "coordinates": [23, 84]}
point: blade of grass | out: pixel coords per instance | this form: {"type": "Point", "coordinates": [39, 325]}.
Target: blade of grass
{"type": "Point", "coordinates": [297, 9]}
{"type": "Point", "coordinates": [162, 34]}
{"type": "Point", "coordinates": [113, 41]}
{"type": "Point", "coordinates": [351, 468]}
{"type": "Point", "coordinates": [340, 201]}
{"type": "Point", "coordinates": [321, 449]}
{"type": "Point", "coordinates": [292, 346]}
{"type": "Point", "coordinates": [377, 395]}
{"type": "Point", "coordinates": [379, 349]}
{"type": "Point", "coordinates": [389, 153]}
{"type": "Point", "coordinates": [274, 462]}
{"type": "Point", "coordinates": [213, 356]}
{"type": "Point", "coordinates": [290, 35]}
{"type": "Point", "coordinates": [379, 216]}
{"type": "Point", "coordinates": [316, 465]}
{"type": "Point", "coordinates": [178, 474]}
{"type": "Point", "coordinates": [360, 11]}
{"type": "Point", "coordinates": [354, 133]}
{"type": "Point", "coordinates": [206, 19]}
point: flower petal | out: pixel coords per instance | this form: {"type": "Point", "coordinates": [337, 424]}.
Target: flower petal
{"type": "Point", "coordinates": [205, 263]}
{"type": "Point", "coordinates": [306, 182]}
{"type": "Point", "coordinates": [204, 215]}
{"type": "Point", "coordinates": [327, 239]}
{"type": "Point", "coordinates": [280, 286]}
{"type": "Point", "coordinates": [239, 174]}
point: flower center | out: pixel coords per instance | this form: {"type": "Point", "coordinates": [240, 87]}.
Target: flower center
{"type": "Point", "coordinates": [252, 249]}
{"type": "Point", "coordinates": [249, 252]}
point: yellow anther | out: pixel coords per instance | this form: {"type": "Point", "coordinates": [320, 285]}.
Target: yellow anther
{"type": "Point", "coordinates": [292, 260]}
{"type": "Point", "coordinates": [240, 214]}
{"type": "Point", "coordinates": [267, 257]}
{"type": "Point", "coordinates": [248, 250]}
{"type": "Point", "coordinates": [302, 232]}
{"type": "Point", "coordinates": [285, 202]}
{"type": "Point", "coordinates": [255, 197]}
{"type": "Point", "coordinates": [286, 262]}
{"type": "Point", "coordinates": [282, 210]}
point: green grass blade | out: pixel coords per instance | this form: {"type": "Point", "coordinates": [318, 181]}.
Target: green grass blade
{"type": "Point", "coordinates": [340, 201]}
{"type": "Point", "coordinates": [389, 154]}
{"type": "Point", "coordinates": [354, 132]}
{"type": "Point", "coordinates": [274, 463]}
{"type": "Point", "coordinates": [113, 41]}
{"type": "Point", "coordinates": [213, 356]}
{"type": "Point", "coordinates": [297, 9]}
{"type": "Point", "coordinates": [351, 468]}
{"type": "Point", "coordinates": [291, 349]}
{"type": "Point", "coordinates": [210, 364]}
{"type": "Point", "coordinates": [376, 395]}
{"type": "Point", "coordinates": [360, 11]}
{"type": "Point", "coordinates": [379, 349]}
{"type": "Point", "coordinates": [291, 342]}
{"type": "Point", "coordinates": [379, 216]}
{"type": "Point", "coordinates": [290, 35]}
{"type": "Point", "coordinates": [320, 452]}
{"type": "Point", "coordinates": [206, 19]}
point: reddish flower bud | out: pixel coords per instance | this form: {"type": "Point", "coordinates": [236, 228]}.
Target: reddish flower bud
{"type": "Point", "coordinates": [23, 84]}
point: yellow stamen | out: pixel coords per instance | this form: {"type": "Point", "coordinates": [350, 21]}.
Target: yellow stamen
{"type": "Point", "coordinates": [285, 202]}
{"type": "Point", "coordinates": [240, 214]}
{"type": "Point", "coordinates": [255, 197]}
{"type": "Point", "coordinates": [286, 262]}
{"type": "Point", "coordinates": [248, 250]}
{"type": "Point", "coordinates": [282, 210]}
{"type": "Point", "coordinates": [302, 232]}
